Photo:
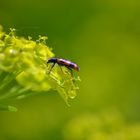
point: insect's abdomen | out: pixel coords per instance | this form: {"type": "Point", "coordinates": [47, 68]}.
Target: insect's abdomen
{"type": "Point", "coordinates": [63, 62]}
{"type": "Point", "coordinates": [74, 66]}
{"type": "Point", "coordinates": [68, 64]}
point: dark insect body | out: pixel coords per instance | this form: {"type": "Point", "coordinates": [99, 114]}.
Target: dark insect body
{"type": "Point", "coordinates": [62, 62]}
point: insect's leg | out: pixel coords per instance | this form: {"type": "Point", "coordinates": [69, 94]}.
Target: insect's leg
{"type": "Point", "coordinates": [61, 68]}
{"type": "Point", "coordinates": [51, 68]}
{"type": "Point", "coordinates": [72, 75]}
{"type": "Point", "coordinates": [70, 71]}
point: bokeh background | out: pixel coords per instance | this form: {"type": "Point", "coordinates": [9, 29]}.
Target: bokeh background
{"type": "Point", "coordinates": [103, 38]}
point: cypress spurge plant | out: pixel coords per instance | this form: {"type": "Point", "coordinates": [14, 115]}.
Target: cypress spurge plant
{"type": "Point", "coordinates": [24, 72]}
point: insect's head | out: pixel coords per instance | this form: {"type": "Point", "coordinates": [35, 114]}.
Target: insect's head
{"type": "Point", "coordinates": [52, 60]}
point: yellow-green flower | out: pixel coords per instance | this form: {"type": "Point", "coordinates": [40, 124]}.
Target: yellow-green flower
{"type": "Point", "coordinates": [23, 68]}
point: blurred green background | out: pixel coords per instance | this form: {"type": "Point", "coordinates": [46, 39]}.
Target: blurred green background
{"type": "Point", "coordinates": [103, 38]}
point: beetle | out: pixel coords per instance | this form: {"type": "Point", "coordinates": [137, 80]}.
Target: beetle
{"type": "Point", "coordinates": [62, 62]}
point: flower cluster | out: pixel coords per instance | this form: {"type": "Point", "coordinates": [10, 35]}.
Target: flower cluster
{"type": "Point", "coordinates": [24, 72]}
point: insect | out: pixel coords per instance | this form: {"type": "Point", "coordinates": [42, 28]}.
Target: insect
{"type": "Point", "coordinates": [62, 62]}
